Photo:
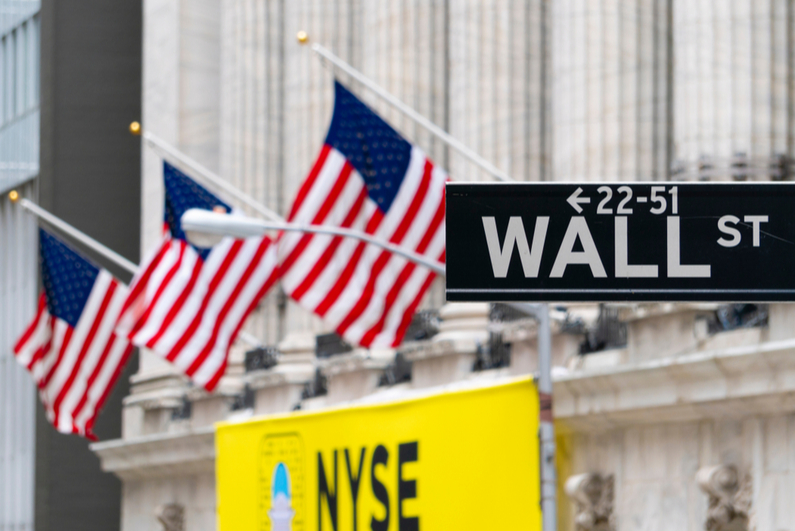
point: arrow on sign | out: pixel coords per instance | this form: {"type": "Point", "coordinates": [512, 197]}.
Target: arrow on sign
{"type": "Point", "coordinates": [574, 200]}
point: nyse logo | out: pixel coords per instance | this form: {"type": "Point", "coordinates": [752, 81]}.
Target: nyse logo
{"type": "Point", "coordinates": [372, 465]}
{"type": "Point", "coordinates": [282, 483]}
{"type": "Point", "coordinates": [281, 512]}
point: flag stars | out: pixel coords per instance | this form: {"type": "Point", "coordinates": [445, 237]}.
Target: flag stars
{"type": "Point", "coordinates": [379, 154]}
{"type": "Point", "coordinates": [182, 193]}
{"type": "Point", "coordinates": [67, 278]}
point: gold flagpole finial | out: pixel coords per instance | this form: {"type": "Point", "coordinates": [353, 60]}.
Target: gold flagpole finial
{"type": "Point", "coordinates": [135, 128]}
{"type": "Point", "coordinates": [302, 36]}
{"type": "Point", "coordinates": [13, 195]}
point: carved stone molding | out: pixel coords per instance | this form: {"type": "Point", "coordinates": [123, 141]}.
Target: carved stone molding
{"type": "Point", "coordinates": [593, 496]}
{"type": "Point", "coordinates": [171, 516]}
{"type": "Point", "coordinates": [729, 506]}
{"type": "Point", "coordinates": [159, 455]}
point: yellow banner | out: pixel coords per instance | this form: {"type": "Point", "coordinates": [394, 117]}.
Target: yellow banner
{"type": "Point", "coordinates": [452, 461]}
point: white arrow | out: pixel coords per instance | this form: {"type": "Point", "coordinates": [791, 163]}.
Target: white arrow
{"type": "Point", "coordinates": [574, 200]}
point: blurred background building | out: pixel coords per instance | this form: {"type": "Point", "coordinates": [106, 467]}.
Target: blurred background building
{"type": "Point", "coordinates": [20, 28]}
{"type": "Point", "coordinates": [69, 85]}
{"type": "Point", "coordinates": [661, 409]}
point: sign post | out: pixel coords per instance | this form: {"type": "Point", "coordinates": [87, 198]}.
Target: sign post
{"type": "Point", "coordinates": [546, 429]}
{"type": "Point", "coordinates": [621, 242]}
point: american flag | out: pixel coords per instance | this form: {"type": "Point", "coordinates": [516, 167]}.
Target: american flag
{"type": "Point", "coordinates": [188, 304]}
{"type": "Point", "coordinates": [70, 347]}
{"type": "Point", "coordinates": [369, 178]}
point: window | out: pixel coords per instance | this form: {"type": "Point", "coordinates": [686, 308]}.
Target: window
{"type": "Point", "coordinates": [19, 91]}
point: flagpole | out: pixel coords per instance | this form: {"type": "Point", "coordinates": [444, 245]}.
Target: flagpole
{"type": "Point", "coordinates": [80, 236]}
{"type": "Point", "coordinates": [215, 180]}
{"type": "Point", "coordinates": [432, 128]}
{"type": "Point", "coordinates": [93, 244]}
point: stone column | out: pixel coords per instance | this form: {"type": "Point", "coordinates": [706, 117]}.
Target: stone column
{"type": "Point", "coordinates": [354, 374]}
{"type": "Point", "coordinates": [732, 90]}
{"type": "Point", "coordinates": [665, 330]}
{"type": "Point", "coordinates": [522, 336]}
{"type": "Point", "coordinates": [609, 90]}
{"type": "Point", "coordinates": [781, 321]}
{"type": "Point", "coordinates": [207, 408]}
{"type": "Point", "coordinates": [280, 388]}
{"type": "Point", "coordinates": [449, 356]}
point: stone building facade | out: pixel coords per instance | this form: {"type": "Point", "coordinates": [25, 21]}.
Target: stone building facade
{"type": "Point", "coordinates": [669, 417]}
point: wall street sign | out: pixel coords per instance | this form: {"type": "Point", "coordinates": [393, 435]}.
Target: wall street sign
{"type": "Point", "coordinates": [621, 242]}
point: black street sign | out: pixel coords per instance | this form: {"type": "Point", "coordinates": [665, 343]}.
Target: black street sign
{"type": "Point", "coordinates": [621, 242]}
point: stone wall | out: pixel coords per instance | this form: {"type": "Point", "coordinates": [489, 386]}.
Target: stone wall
{"type": "Point", "coordinates": [545, 90]}
{"type": "Point", "coordinates": [655, 469]}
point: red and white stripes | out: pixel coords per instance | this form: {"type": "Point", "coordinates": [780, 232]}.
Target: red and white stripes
{"type": "Point", "coordinates": [189, 311]}
{"type": "Point", "coordinates": [366, 293]}
{"type": "Point", "coordinates": [75, 369]}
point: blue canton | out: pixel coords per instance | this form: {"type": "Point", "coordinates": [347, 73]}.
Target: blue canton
{"type": "Point", "coordinates": [376, 150]}
{"type": "Point", "coordinates": [183, 193]}
{"type": "Point", "coordinates": [68, 278]}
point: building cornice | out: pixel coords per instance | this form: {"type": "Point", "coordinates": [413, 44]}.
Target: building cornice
{"type": "Point", "coordinates": [737, 381]}
{"type": "Point", "coordinates": [159, 455]}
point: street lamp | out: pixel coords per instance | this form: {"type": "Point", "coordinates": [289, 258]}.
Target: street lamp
{"type": "Point", "coordinates": [205, 228]}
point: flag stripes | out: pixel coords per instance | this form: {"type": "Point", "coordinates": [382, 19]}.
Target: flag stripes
{"type": "Point", "coordinates": [186, 304]}
{"type": "Point", "coordinates": [189, 311]}
{"type": "Point", "coordinates": [365, 293]}
{"type": "Point", "coordinates": [75, 368]}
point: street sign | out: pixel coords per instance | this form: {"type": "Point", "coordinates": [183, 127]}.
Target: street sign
{"type": "Point", "coordinates": [621, 242]}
